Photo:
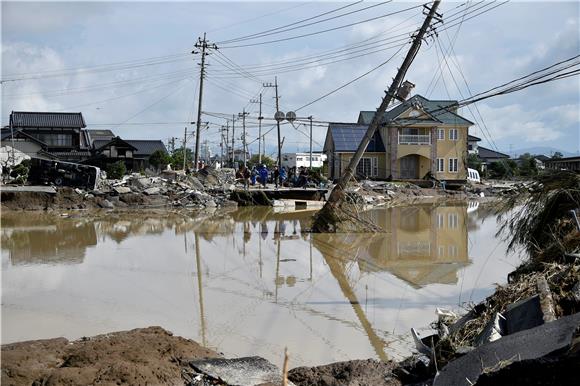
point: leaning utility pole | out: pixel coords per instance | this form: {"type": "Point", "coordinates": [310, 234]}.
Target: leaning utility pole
{"type": "Point", "coordinates": [243, 115]}
{"type": "Point", "coordinates": [324, 218]}
{"type": "Point", "coordinates": [204, 46]}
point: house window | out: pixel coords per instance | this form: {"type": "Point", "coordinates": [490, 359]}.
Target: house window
{"type": "Point", "coordinates": [441, 251]}
{"type": "Point", "coordinates": [453, 134]}
{"type": "Point", "coordinates": [452, 250]}
{"type": "Point", "coordinates": [56, 139]}
{"type": "Point", "coordinates": [440, 220]}
{"type": "Point", "coordinates": [368, 167]}
{"type": "Point", "coordinates": [452, 220]}
{"type": "Point", "coordinates": [440, 164]}
{"type": "Point", "coordinates": [298, 158]}
{"type": "Point", "coordinates": [452, 165]}
{"type": "Point", "coordinates": [440, 134]}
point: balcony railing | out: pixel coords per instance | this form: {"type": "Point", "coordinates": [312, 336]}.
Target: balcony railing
{"type": "Point", "coordinates": [421, 139]}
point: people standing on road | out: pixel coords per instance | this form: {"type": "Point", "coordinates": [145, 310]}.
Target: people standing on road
{"type": "Point", "coordinates": [246, 174]}
{"type": "Point", "coordinates": [276, 175]}
{"type": "Point", "coordinates": [263, 175]}
{"type": "Point", "coordinates": [254, 174]}
{"type": "Point", "coordinates": [283, 175]}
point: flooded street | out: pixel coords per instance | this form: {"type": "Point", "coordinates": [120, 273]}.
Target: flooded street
{"type": "Point", "coordinates": [249, 282]}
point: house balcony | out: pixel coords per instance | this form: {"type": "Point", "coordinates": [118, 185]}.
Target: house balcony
{"type": "Point", "coordinates": [419, 139]}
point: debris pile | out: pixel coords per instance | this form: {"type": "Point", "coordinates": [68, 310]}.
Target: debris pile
{"type": "Point", "coordinates": [208, 188]}
{"type": "Point", "coordinates": [528, 328]}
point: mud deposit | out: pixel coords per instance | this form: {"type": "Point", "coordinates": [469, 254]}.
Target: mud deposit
{"type": "Point", "coordinates": [138, 357]}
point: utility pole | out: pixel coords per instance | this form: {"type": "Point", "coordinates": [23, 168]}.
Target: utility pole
{"type": "Point", "coordinates": [278, 125]}
{"type": "Point", "coordinates": [243, 115]}
{"type": "Point", "coordinates": [322, 221]}
{"type": "Point", "coordinates": [227, 140]}
{"type": "Point", "coordinates": [203, 45]}
{"type": "Point", "coordinates": [260, 117]}
{"type": "Point", "coordinates": [233, 140]}
{"type": "Point", "coordinates": [310, 118]}
{"type": "Point", "coordinates": [185, 148]}
{"type": "Point", "coordinates": [275, 85]}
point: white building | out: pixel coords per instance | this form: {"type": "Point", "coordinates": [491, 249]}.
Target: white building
{"type": "Point", "coordinates": [297, 160]}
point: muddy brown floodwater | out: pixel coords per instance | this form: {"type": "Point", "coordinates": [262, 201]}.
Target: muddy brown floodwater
{"type": "Point", "coordinates": [250, 282]}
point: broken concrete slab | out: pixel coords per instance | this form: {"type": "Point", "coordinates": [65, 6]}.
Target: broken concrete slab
{"type": "Point", "coordinates": [529, 344]}
{"type": "Point", "coordinates": [524, 314]}
{"type": "Point", "coordinates": [247, 371]}
{"type": "Point", "coordinates": [151, 191]}
{"type": "Point", "coordinates": [141, 183]}
{"type": "Point", "coordinates": [122, 189]}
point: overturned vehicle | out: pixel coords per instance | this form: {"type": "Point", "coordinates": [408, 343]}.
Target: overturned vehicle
{"type": "Point", "coordinates": [62, 173]}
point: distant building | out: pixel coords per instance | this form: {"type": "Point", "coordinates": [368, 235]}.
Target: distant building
{"type": "Point", "coordinates": [134, 153]}
{"type": "Point", "coordinates": [567, 163]}
{"type": "Point", "coordinates": [297, 160]}
{"type": "Point", "coordinates": [472, 141]}
{"type": "Point", "coordinates": [64, 137]}
{"type": "Point", "coordinates": [488, 156]}
{"type": "Point", "coordinates": [48, 135]}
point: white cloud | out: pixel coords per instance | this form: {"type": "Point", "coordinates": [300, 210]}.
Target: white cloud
{"type": "Point", "coordinates": [513, 122]}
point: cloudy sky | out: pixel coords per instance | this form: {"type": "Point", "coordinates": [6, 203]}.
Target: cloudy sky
{"type": "Point", "coordinates": [127, 66]}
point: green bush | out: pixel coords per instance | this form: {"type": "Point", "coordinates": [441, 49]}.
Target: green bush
{"type": "Point", "coordinates": [116, 170]}
{"type": "Point", "coordinates": [159, 159]}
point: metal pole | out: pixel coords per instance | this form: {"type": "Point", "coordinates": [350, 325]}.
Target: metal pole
{"type": "Point", "coordinates": [233, 140]}
{"type": "Point", "coordinates": [260, 117]}
{"type": "Point", "coordinates": [244, 135]}
{"type": "Point", "coordinates": [310, 117]}
{"type": "Point", "coordinates": [203, 45]}
{"type": "Point", "coordinates": [185, 148]}
{"type": "Point", "coordinates": [278, 125]}
{"type": "Point", "coordinates": [227, 140]}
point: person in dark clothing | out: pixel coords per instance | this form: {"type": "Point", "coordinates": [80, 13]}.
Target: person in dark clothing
{"type": "Point", "coordinates": [276, 175]}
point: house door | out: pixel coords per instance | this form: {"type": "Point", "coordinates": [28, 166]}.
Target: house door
{"type": "Point", "coordinates": [410, 167]}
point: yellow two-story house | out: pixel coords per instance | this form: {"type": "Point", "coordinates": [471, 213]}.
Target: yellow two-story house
{"type": "Point", "coordinates": [416, 137]}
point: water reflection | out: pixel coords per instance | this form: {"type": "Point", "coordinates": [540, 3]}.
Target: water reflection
{"type": "Point", "coordinates": [249, 282]}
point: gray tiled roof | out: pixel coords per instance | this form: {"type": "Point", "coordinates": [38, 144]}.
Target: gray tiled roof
{"type": "Point", "coordinates": [95, 135]}
{"type": "Point", "coordinates": [437, 108]}
{"type": "Point", "coordinates": [347, 137]}
{"type": "Point", "coordinates": [47, 119]}
{"type": "Point", "coordinates": [484, 153]}
{"type": "Point", "coordinates": [144, 147]}
{"type": "Point", "coordinates": [473, 138]}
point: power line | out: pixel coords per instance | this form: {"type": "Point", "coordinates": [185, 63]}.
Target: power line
{"type": "Point", "coordinates": [326, 30]}
{"type": "Point", "coordinates": [260, 35]}
{"type": "Point", "coordinates": [351, 81]}
{"type": "Point", "coordinates": [96, 70]}
{"type": "Point", "coordinates": [259, 17]}
{"type": "Point", "coordinates": [291, 24]}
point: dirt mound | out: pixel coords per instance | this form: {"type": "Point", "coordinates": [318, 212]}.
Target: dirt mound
{"type": "Point", "coordinates": [351, 373]}
{"type": "Point", "coordinates": [137, 357]}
